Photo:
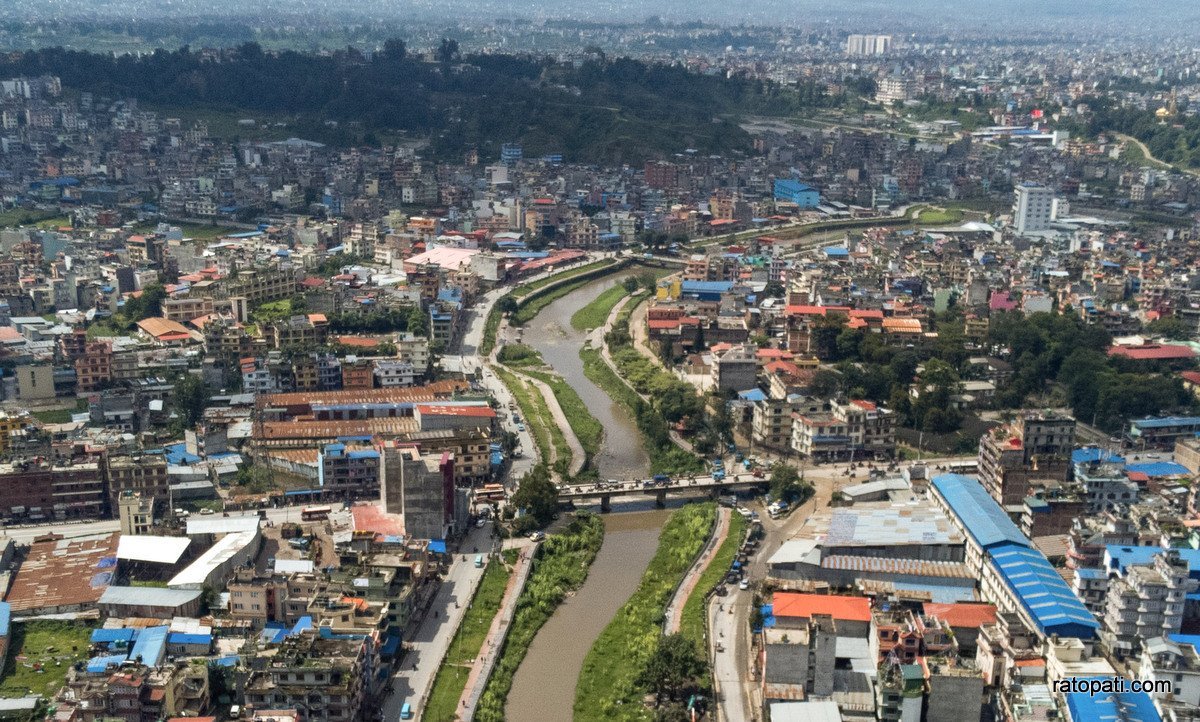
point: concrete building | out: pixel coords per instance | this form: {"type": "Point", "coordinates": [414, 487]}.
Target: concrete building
{"type": "Point", "coordinates": [420, 489]}
{"type": "Point", "coordinates": [1033, 207]}
{"type": "Point", "coordinates": [1013, 457]}
{"type": "Point", "coordinates": [858, 45]}
{"type": "Point", "coordinates": [35, 382]}
{"type": "Point", "coordinates": [322, 677]}
{"type": "Point", "coordinates": [1146, 602]}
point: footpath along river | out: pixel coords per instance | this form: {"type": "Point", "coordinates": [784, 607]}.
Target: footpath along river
{"type": "Point", "coordinates": [544, 685]}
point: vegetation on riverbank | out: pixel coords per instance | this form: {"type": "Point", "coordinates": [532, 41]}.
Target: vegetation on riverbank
{"type": "Point", "coordinates": [596, 313]}
{"type": "Point", "coordinates": [585, 426]}
{"type": "Point", "coordinates": [467, 645]}
{"type": "Point", "coordinates": [561, 567]}
{"type": "Point", "coordinates": [546, 434]}
{"type": "Point", "coordinates": [691, 620]}
{"type": "Point", "coordinates": [609, 685]}
{"type": "Point", "coordinates": [526, 288]}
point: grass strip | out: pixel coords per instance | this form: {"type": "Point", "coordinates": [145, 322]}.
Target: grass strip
{"type": "Point", "coordinates": [546, 434]}
{"type": "Point", "coordinates": [607, 687]}
{"type": "Point", "coordinates": [560, 568]}
{"type": "Point", "coordinates": [691, 620]}
{"type": "Point", "coordinates": [596, 313]}
{"type": "Point", "coordinates": [587, 429]}
{"type": "Point", "coordinates": [468, 642]}
{"type": "Point", "coordinates": [527, 288]}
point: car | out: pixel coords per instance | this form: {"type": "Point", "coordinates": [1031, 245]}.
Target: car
{"type": "Point", "coordinates": [744, 584]}
{"type": "Point", "coordinates": [520, 427]}
{"type": "Point", "coordinates": [537, 536]}
{"type": "Point", "coordinates": [206, 511]}
{"type": "Point", "coordinates": [480, 523]}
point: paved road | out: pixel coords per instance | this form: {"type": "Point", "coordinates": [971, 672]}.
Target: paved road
{"type": "Point", "coordinates": [429, 644]}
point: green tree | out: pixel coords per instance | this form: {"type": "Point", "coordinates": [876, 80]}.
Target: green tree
{"type": "Point", "coordinates": [786, 484]}
{"type": "Point", "coordinates": [673, 668]}
{"type": "Point", "coordinates": [537, 495]}
{"type": "Point", "coordinates": [507, 305]}
{"type": "Point", "coordinates": [1169, 327]}
{"type": "Point", "coordinates": [146, 305]}
{"type": "Point", "coordinates": [190, 396]}
{"type": "Point", "coordinates": [418, 321]}
{"type": "Point", "coordinates": [825, 383]}
{"type": "Point", "coordinates": [630, 284]}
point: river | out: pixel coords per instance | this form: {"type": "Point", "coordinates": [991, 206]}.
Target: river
{"type": "Point", "coordinates": [544, 685]}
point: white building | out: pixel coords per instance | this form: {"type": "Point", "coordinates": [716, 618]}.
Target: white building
{"type": "Point", "coordinates": [866, 45]}
{"type": "Point", "coordinates": [1033, 207]}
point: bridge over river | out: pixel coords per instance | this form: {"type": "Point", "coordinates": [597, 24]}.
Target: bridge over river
{"type": "Point", "coordinates": [604, 491]}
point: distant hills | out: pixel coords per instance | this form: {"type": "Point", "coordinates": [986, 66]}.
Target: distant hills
{"type": "Point", "coordinates": [602, 110]}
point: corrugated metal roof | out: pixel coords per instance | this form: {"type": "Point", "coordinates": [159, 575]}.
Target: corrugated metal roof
{"type": "Point", "coordinates": [156, 549]}
{"type": "Point", "coordinates": [978, 512]}
{"type": "Point", "coordinates": [1050, 602]}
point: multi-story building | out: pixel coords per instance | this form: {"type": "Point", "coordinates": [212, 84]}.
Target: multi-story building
{"type": "Point", "coordinates": [1032, 207]}
{"type": "Point", "coordinates": [1146, 602]}
{"type": "Point", "coordinates": [1013, 457]}
{"type": "Point", "coordinates": [325, 679]}
{"type": "Point", "coordinates": [389, 374]}
{"type": "Point", "coordinates": [38, 491]}
{"type": "Point", "coordinates": [348, 472]}
{"type": "Point", "coordinates": [845, 430]}
{"type": "Point", "coordinates": [358, 374]}
{"type": "Point", "coordinates": [420, 488]}
{"type": "Point", "coordinates": [93, 370]}
{"type": "Point", "coordinates": [182, 310]}
{"type": "Point", "coordinates": [144, 474]}
{"type": "Point", "coordinates": [858, 45]}
{"type": "Point", "coordinates": [310, 330]}
{"type": "Point", "coordinates": [735, 370]}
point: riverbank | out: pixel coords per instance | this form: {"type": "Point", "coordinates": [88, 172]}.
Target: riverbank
{"type": "Point", "coordinates": [683, 594]}
{"type": "Point", "coordinates": [560, 566]}
{"type": "Point", "coordinates": [468, 640]}
{"type": "Point", "coordinates": [633, 384]}
{"type": "Point", "coordinates": [607, 688]}
{"type": "Point", "coordinates": [691, 620]}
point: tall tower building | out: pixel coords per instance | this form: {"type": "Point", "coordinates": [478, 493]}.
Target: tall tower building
{"type": "Point", "coordinates": [1033, 206]}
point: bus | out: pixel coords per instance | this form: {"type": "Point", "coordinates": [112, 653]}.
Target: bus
{"type": "Point", "coordinates": [315, 513]}
{"type": "Point", "coordinates": [963, 467]}
{"type": "Point", "coordinates": [490, 492]}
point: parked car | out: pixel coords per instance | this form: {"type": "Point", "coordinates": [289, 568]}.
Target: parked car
{"type": "Point", "coordinates": [537, 536]}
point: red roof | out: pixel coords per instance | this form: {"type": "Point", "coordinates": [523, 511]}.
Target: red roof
{"type": "Point", "coordinates": [1152, 352]}
{"type": "Point", "coordinates": [659, 323]}
{"type": "Point", "coordinates": [479, 412]}
{"type": "Point", "coordinates": [866, 313]}
{"type": "Point", "coordinates": [962, 615]}
{"type": "Point", "coordinates": [806, 310]}
{"type": "Point", "coordinates": [794, 604]}
{"type": "Point", "coordinates": [864, 404]}
{"type": "Point", "coordinates": [1192, 377]}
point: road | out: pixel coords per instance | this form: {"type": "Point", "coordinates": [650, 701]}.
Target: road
{"type": "Point", "coordinates": [737, 697]}
{"type": "Point", "coordinates": [429, 643]}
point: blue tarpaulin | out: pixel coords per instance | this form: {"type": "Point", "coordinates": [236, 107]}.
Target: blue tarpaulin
{"type": "Point", "coordinates": [437, 546]}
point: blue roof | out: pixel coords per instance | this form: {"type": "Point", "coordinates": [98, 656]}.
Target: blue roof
{"type": "Point", "coordinates": [1167, 421]}
{"type": "Point", "coordinates": [1123, 557]}
{"type": "Point", "coordinates": [705, 286]}
{"type": "Point", "coordinates": [150, 645]}
{"type": "Point", "coordinates": [979, 513]}
{"type": "Point", "coordinates": [1109, 707]}
{"type": "Point", "coordinates": [437, 546]}
{"type": "Point", "coordinates": [177, 455]}
{"type": "Point", "coordinates": [99, 665]}
{"type": "Point", "coordinates": [182, 638]}
{"type": "Point", "coordinates": [363, 454]}
{"type": "Point", "coordinates": [1091, 454]}
{"type": "Point", "coordinates": [305, 622]}
{"type": "Point", "coordinates": [839, 251]}
{"type": "Point", "coordinates": [1086, 573]}
{"type": "Point", "coordinates": [1159, 468]}
{"type": "Point", "coordinates": [226, 661]}
{"type": "Point", "coordinates": [107, 636]}
{"type": "Point", "coordinates": [1050, 602]}
{"type": "Point", "coordinates": [939, 593]}
{"type": "Point", "coordinates": [5, 618]}
{"type": "Point", "coordinates": [752, 395]}
{"type": "Point", "coordinates": [1192, 639]}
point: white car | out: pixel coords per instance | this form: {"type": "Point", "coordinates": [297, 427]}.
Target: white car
{"type": "Point", "coordinates": [744, 584]}
{"type": "Point", "coordinates": [537, 536]}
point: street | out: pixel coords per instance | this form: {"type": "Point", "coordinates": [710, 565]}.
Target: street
{"type": "Point", "coordinates": [428, 645]}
